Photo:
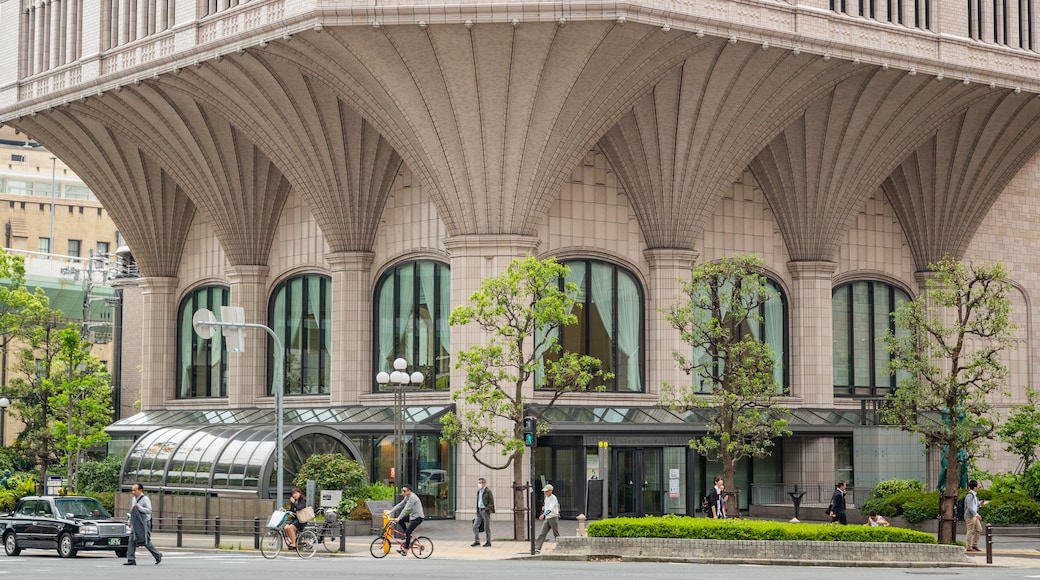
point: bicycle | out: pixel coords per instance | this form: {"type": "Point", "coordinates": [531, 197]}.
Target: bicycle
{"type": "Point", "coordinates": [328, 531]}
{"type": "Point", "coordinates": [422, 546]}
{"type": "Point", "coordinates": [272, 542]}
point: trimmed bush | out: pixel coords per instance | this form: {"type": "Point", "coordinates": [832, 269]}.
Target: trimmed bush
{"type": "Point", "coordinates": [922, 507]}
{"type": "Point", "coordinates": [732, 529]}
{"type": "Point", "coordinates": [100, 476]}
{"type": "Point", "coordinates": [1009, 508]}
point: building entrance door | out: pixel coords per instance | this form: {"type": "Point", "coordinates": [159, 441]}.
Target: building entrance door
{"type": "Point", "coordinates": [638, 481]}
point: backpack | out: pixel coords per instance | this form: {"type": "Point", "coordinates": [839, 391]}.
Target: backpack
{"type": "Point", "coordinates": [958, 508]}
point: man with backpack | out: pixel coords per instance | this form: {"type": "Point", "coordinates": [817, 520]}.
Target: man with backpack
{"type": "Point", "coordinates": [972, 519]}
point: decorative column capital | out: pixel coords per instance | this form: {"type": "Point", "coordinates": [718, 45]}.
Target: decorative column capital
{"type": "Point", "coordinates": [812, 269]}
{"type": "Point", "coordinates": [158, 285]}
{"type": "Point", "coordinates": [491, 245]}
{"type": "Point", "coordinates": [247, 274]}
{"type": "Point", "coordinates": [671, 258]}
{"type": "Point", "coordinates": [350, 261]}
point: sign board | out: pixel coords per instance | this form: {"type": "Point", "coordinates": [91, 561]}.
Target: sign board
{"type": "Point", "coordinates": [330, 498]}
{"type": "Point", "coordinates": [53, 486]}
{"type": "Point", "coordinates": [673, 487]}
{"type": "Point", "coordinates": [594, 499]}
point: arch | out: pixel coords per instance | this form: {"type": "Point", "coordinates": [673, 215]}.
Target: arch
{"type": "Point", "coordinates": [299, 311]}
{"type": "Point", "coordinates": [861, 313]}
{"type": "Point", "coordinates": [195, 353]}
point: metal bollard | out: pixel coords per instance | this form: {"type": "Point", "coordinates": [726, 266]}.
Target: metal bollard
{"type": "Point", "coordinates": [342, 536]}
{"type": "Point", "coordinates": [180, 531]}
{"type": "Point", "coordinates": [989, 543]}
{"type": "Point", "coordinates": [216, 532]}
{"type": "Point", "coordinates": [256, 533]}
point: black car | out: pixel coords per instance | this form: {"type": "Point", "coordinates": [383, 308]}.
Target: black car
{"type": "Point", "coordinates": [67, 524]}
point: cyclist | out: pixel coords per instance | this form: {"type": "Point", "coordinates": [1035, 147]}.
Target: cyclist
{"type": "Point", "coordinates": [411, 516]}
{"type": "Point", "coordinates": [293, 527]}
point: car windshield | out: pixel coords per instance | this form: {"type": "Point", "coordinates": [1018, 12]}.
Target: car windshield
{"type": "Point", "coordinates": [84, 507]}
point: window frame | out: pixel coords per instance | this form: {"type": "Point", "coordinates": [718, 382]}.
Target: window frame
{"type": "Point", "coordinates": [324, 368]}
{"type": "Point", "coordinates": [224, 296]}
{"type": "Point", "coordinates": [852, 390]}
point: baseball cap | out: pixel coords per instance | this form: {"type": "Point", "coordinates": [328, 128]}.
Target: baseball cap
{"type": "Point", "coordinates": [548, 487]}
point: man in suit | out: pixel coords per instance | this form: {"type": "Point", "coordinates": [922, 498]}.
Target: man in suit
{"type": "Point", "coordinates": [485, 507]}
{"type": "Point", "coordinates": [838, 505]}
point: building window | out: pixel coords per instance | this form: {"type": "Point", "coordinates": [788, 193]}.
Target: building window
{"type": "Point", "coordinates": [412, 305]}
{"type": "Point", "coordinates": [771, 328]}
{"type": "Point", "coordinates": [201, 363]}
{"type": "Point", "coordinates": [74, 248]}
{"type": "Point", "coordinates": [861, 315]}
{"type": "Point", "coordinates": [610, 322]}
{"type": "Point", "coordinates": [44, 246]}
{"type": "Point", "coordinates": [300, 313]}
{"type": "Point", "coordinates": [101, 249]}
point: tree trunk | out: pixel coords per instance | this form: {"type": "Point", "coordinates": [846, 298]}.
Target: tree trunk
{"type": "Point", "coordinates": [519, 519]}
{"type": "Point", "coordinates": [947, 520]}
{"type": "Point", "coordinates": [729, 478]}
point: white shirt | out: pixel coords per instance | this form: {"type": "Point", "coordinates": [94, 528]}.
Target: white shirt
{"type": "Point", "coordinates": [551, 509]}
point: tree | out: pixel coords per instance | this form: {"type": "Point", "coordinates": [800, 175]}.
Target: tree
{"type": "Point", "coordinates": [733, 371]}
{"type": "Point", "coordinates": [949, 356]}
{"type": "Point", "coordinates": [1021, 433]}
{"type": "Point", "coordinates": [82, 401]}
{"type": "Point", "coordinates": [521, 311]}
{"type": "Point", "coordinates": [18, 306]}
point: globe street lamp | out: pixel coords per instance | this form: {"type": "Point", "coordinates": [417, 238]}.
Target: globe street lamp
{"type": "Point", "coordinates": [400, 379]}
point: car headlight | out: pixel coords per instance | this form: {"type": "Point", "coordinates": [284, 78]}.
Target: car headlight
{"type": "Point", "coordinates": [88, 530]}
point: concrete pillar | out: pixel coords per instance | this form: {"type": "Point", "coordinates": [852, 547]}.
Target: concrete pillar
{"type": "Point", "coordinates": [473, 258]}
{"type": "Point", "coordinates": [351, 326]}
{"type": "Point", "coordinates": [812, 375]}
{"type": "Point", "coordinates": [160, 333]}
{"type": "Point", "coordinates": [247, 371]}
{"type": "Point", "coordinates": [667, 268]}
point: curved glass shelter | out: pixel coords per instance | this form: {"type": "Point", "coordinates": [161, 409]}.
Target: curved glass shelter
{"type": "Point", "coordinates": [227, 459]}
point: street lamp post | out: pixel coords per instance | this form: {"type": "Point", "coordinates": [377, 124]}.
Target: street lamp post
{"type": "Point", "coordinates": [400, 379]}
{"type": "Point", "coordinates": [54, 170]}
{"type": "Point", "coordinates": [4, 404]}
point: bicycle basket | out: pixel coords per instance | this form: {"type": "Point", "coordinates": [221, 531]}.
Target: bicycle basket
{"type": "Point", "coordinates": [278, 519]}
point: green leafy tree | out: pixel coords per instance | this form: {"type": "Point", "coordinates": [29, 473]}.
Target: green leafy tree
{"type": "Point", "coordinates": [82, 401]}
{"type": "Point", "coordinates": [950, 357]}
{"type": "Point", "coordinates": [732, 369]}
{"type": "Point", "coordinates": [17, 304]}
{"type": "Point", "coordinates": [521, 311]}
{"type": "Point", "coordinates": [333, 471]}
{"type": "Point", "coordinates": [1021, 433]}
{"type": "Point", "coordinates": [99, 476]}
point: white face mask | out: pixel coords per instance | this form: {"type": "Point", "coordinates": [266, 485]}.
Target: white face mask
{"type": "Point", "coordinates": [480, 486]}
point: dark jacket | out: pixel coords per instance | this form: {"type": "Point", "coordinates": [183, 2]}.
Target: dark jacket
{"type": "Point", "coordinates": [489, 500]}
{"type": "Point", "coordinates": [838, 503]}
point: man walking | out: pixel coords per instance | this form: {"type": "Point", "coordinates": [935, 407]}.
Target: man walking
{"type": "Point", "coordinates": [140, 522]}
{"type": "Point", "coordinates": [837, 510]}
{"type": "Point", "coordinates": [485, 507]}
{"type": "Point", "coordinates": [550, 516]}
{"type": "Point", "coordinates": [972, 519]}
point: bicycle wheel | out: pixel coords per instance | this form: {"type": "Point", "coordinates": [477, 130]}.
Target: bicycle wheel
{"type": "Point", "coordinates": [271, 544]}
{"type": "Point", "coordinates": [380, 547]}
{"type": "Point", "coordinates": [306, 544]}
{"type": "Point", "coordinates": [329, 537]}
{"type": "Point", "coordinates": [422, 547]}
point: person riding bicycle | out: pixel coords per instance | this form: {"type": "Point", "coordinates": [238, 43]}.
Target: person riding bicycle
{"type": "Point", "coordinates": [411, 516]}
{"type": "Point", "coordinates": [293, 527]}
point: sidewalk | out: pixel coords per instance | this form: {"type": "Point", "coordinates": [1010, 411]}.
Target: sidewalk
{"type": "Point", "coordinates": [451, 539]}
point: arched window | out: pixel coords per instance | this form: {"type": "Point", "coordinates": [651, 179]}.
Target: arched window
{"type": "Point", "coordinates": [300, 313]}
{"type": "Point", "coordinates": [861, 314]}
{"type": "Point", "coordinates": [202, 369]}
{"type": "Point", "coordinates": [412, 305]}
{"type": "Point", "coordinates": [771, 329]}
{"type": "Point", "coordinates": [610, 322]}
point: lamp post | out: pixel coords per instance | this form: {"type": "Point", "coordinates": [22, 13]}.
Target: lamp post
{"type": "Point", "coordinates": [4, 404]}
{"type": "Point", "coordinates": [400, 379]}
{"type": "Point", "coordinates": [205, 324]}
{"type": "Point", "coordinates": [54, 170]}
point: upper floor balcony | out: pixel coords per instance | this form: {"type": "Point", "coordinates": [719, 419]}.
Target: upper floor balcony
{"type": "Point", "coordinates": [72, 49]}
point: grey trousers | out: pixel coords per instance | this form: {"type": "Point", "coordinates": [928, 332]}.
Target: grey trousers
{"type": "Point", "coordinates": [482, 515]}
{"type": "Point", "coordinates": [147, 544]}
{"type": "Point", "coordinates": [547, 523]}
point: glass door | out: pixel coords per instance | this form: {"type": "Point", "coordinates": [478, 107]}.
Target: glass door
{"type": "Point", "coordinates": [638, 481]}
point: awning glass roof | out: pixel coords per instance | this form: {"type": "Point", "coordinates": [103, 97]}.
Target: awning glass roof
{"type": "Point", "coordinates": [356, 418]}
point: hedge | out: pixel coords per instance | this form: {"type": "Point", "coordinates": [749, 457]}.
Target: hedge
{"type": "Point", "coordinates": [733, 529]}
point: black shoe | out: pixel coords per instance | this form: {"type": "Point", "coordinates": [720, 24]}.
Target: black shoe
{"type": "Point", "coordinates": [158, 559]}
{"type": "Point", "coordinates": [487, 545]}
{"type": "Point", "coordinates": [474, 544]}
{"type": "Point", "coordinates": [402, 552]}
{"type": "Point", "coordinates": [130, 563]}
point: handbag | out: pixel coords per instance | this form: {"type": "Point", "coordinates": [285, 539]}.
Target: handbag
{"type": "Point", "coordinates": [478, 522]}
{"type": "Point", "coordinates": [277, 519]}
{"type": "Point", "coordinates": [305, 515]}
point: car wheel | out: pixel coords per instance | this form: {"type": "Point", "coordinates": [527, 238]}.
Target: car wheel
{"type": "Point", "coordinates": [121, 553]}
{"type": "Point", "coordinates": [65, 549]}
{"type": "Point", "coordinates": [11, 545]}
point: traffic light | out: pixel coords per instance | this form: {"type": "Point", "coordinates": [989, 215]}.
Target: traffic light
{"type": "Point", "coordinates": [530, 431]}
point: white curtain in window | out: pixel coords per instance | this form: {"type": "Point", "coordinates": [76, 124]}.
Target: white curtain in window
{"type": "Point", "coordinates": [774, 323]}
{"type": "Point", "coordinates": [312, 381]}
{"type": "Point", "coordinates": [385, 316]}
{"type": "Point", "coordinates": [629, 317]}
{"type": "Point", "coordinates": [405, 313]}
{"type": "Point", "coordinates": [427, 283]}
{"type": "Point", "coordinates": [442, 313]}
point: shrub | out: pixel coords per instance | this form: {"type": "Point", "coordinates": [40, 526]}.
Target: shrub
{"type": "Point", "coordinates": [732, 529]}
{"type": "Point", "coordinates": [1009, 508]}
{"type": "Point", "coordinates": [99, 476]}
{"type": "Point", "coordinates": [886, 488]}
{"type": "Point", "coordinates": [921, 508]}
{"type": "Point", "coordinates": [331, 471]}
{"type": "Point", "coordinates": [360, 513]}
{"type": "Point", "coordinates": [1008, 483]}
{"type": "Point", "coordinates": [107, 499]}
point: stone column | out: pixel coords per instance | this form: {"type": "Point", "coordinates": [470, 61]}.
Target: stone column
{"type": "Point", "coordinates": [247, 371]}
{"type": "Point", "coordinates": [473, 258]}
{"type": "Point", "coordinates": [159, 351]}
{"type": "Point", "coordinates": [351, 326]}
{"type": "Point", "coordinates": [667, 268]}
{"type": "Point", "coordinates": [812, 375]}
